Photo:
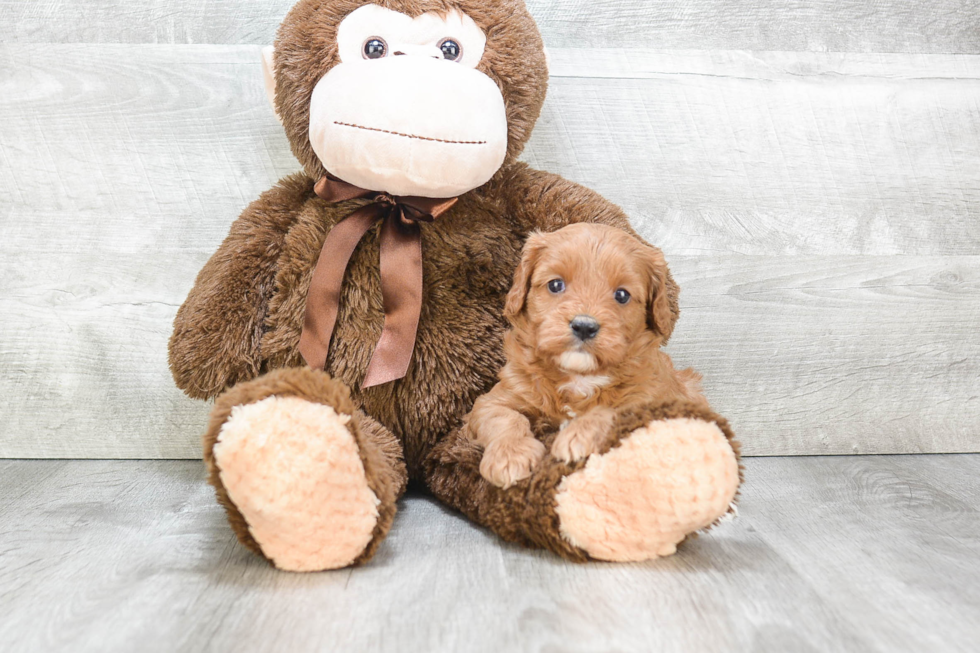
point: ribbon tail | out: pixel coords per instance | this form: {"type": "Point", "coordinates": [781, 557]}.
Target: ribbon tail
{"type": "Point", "coordinates": [401, 288]}
{"type": "Point", "coordinates": [323, 297]}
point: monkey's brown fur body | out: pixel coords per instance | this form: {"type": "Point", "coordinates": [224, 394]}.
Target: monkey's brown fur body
{"type": "Point", "coordinates": [236, 336]}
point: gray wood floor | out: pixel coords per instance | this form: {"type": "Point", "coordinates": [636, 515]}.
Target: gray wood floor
{"type": "Point", "coordinates": [876, 553]}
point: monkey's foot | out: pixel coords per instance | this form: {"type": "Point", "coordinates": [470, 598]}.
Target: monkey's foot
{"type": "Point", "coordinates": [308, 481]}
{"type": "Point", "coordinates": [293, 471]}
{"type": "Point", "coordinates": [665, 480]}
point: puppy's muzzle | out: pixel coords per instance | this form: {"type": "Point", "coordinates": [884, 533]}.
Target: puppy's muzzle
{"type": "Point", "coordinates": [584, 327]}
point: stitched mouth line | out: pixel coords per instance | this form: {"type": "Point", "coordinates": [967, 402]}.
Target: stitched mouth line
{"type": "Point", "coordinates": [421, 138]}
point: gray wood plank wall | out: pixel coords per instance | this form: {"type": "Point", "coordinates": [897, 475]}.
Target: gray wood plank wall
{"type": "Point", "coordinates": [811, 169]}
{"type": "Point", "coordinates": [939, 26]}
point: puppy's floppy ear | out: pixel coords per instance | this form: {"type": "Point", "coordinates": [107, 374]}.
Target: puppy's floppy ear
{"type": "Point", "coordinates": [533, 247]}
{"type": "Point", "coordinates": [661, 316]}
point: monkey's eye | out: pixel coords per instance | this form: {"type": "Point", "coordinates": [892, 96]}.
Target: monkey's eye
{"type": "Point", "coordinates": [375, 48]}
{"type": "Point", "coordinates": [556, 286]}
{"type": "Point", "coordinates": [451, 49]}
{"type": "Point", "coordinates": [622, 296]}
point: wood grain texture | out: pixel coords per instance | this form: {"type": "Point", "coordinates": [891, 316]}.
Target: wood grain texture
{"type": "Point", "coordinates": [135, 148]}
{"type": "Point", "coordinates": [83, 353]}
{"type": "Point", "coordinates": [880, 510]}
{"type": "Point", "coordinates": [774, 182]}
{"type": "Point", "coordinates": [941, 26]}
{"type": "Point", "coordinates": [843, 554]}
{"type": "Point", "coordinates": [810, 355]}
{"type": "Point", "coordinates": [775, 153]}
{"type": "Point", "coordinates": [805, 355]}
{"type": "Point", "coordinates": [162, 146]}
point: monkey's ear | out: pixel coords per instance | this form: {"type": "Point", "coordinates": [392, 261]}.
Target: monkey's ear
{"type": "Point", "coordinates": [660, 316]}
{"type": "Point", "coordinates": [533, 247]}
{"type": "Point", "coordinates": [269, 74]}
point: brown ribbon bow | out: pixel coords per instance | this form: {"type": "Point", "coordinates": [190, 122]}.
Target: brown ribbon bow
{"type": "Point", "coordinates": [401, 275]}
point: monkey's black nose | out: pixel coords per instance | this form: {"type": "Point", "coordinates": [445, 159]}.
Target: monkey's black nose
{"type": "Point", "coordinates": [584, 327]}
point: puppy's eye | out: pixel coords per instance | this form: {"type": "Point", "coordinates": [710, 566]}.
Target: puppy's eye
{"type": "Point", "coordinates": [451, 49]}
{"type": "Point", "coordinates": [556, 286]}
{"type": "Point", "coordinates": [622, 296]}
{"type": "Point", "coordinates": [375, 48]}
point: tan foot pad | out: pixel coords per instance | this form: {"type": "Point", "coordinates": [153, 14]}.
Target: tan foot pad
{"type": "Point", "coordinates": [293, 470]}
{"type": "Point", "coordinates": [640, 499]}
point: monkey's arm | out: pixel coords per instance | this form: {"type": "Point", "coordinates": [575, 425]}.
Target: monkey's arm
{"type": "Point", "coordinates": [215, 342]}
{"type": "Point", "coordinates": [543, 201]}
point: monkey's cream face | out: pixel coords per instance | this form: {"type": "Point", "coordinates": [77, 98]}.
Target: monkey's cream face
{"type": "Point", "coordinates": [405, 111]}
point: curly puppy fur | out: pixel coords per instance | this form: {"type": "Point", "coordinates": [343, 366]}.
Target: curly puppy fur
{"type": "Point", "coordinates": [568, 381]}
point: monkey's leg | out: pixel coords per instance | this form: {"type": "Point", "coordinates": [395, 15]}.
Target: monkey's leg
{"type": "Point", "coordinates": [308, 481]}
{"type": "Point", "coordinates": [665, 472]}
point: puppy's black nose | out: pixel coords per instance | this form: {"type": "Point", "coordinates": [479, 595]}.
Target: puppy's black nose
{"type": "Point", "coordinates": [584, 327]}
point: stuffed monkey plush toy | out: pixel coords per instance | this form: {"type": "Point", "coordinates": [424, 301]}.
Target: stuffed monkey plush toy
{"type": "Point", "coordinates": [355, 311]}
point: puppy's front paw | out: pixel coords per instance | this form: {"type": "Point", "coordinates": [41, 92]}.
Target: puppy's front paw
{"type": "Point", "coordinates": [576, 441]}
{"type": "Point", "coordinates": [509, 460]}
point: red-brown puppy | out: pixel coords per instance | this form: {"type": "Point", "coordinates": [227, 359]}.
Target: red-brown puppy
{"type": "Point", "coordinates": [589, 311]}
